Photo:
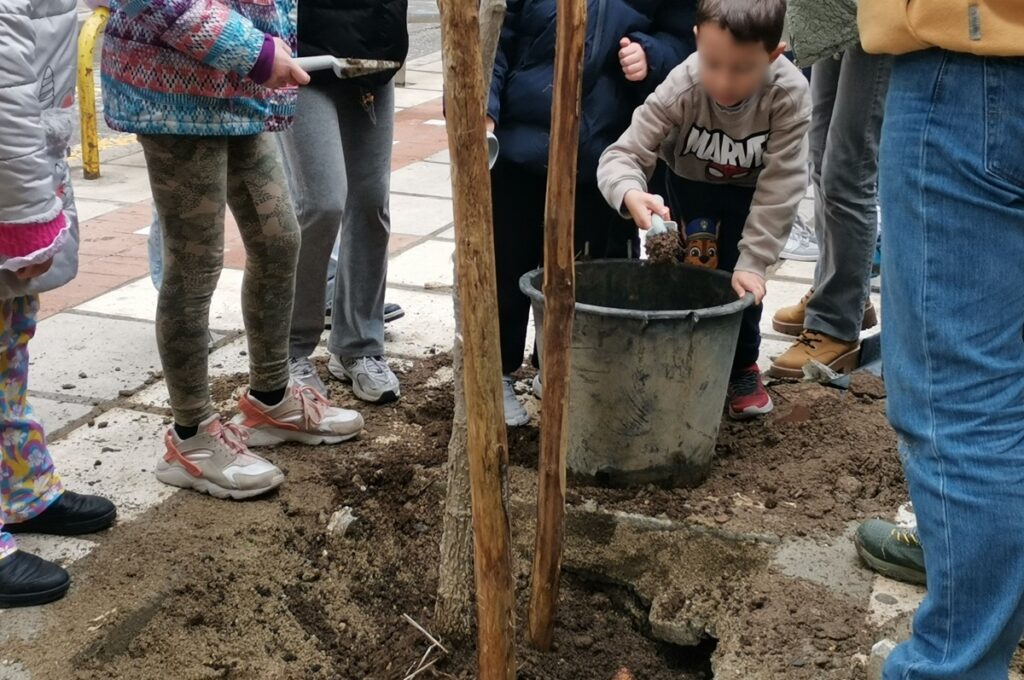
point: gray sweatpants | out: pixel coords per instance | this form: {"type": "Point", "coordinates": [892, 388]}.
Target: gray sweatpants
{"type": "Point", "coordinates": [338, 158]}
{"type": "Point", "coordinates": [848, 96]}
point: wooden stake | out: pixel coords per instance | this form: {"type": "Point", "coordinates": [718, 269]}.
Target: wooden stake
{"type": "Point", "coordinates": [453, 610]}
{"type": "Point", "coordinates": [474, 253]}
{"type": "Point", "coordinates": [559, 306]}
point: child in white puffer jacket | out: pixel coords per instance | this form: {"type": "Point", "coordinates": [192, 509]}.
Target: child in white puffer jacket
{"type": "Point", "coordinates": [38, 252]}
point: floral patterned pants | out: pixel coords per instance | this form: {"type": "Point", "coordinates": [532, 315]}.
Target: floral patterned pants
{"type": "Point", "coordinates": [28, 483]}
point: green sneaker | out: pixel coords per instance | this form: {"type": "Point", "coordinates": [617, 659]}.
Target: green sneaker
{"type": "Point", "coordinates": [891, 550]}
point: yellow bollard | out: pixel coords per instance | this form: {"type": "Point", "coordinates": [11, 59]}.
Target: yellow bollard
{"type": "Point", "coordinates": [87, 37]}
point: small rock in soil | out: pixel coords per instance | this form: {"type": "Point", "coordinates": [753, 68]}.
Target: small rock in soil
{"type": "Point", "coordinates": [583, 641]}
{"type": "Point", "coordinates": [67, 386]}
{"type": "Point", "coordinates": [341, 520]}
{"type": "Point", "coordinates": [359, 483]}
{"type": "Point", "coordinates": [109, 449]}
{"type": "Point", "coordinates": [97, 463]}
{"type": "Point", "coordinates": [127, 393]}
{"type": "Point", "coordinates": [102, 424]}
{"type": "Point", "coordinates": [851, 486]}
{"type": "Point", "coordinates": [82, 375]}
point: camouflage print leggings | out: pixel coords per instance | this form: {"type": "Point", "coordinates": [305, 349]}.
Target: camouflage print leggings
{"type": "Point", "coordinates": [192, 179]}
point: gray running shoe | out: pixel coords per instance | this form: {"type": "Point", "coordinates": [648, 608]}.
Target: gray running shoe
{"type": "Point", "coordinates": [802, 245]}
{"type": "Point", "coordinates": [303, 373]}
{"type": "Point", "coordinates": [538, 387]}
{"type": "Point", "coordinates": [371, 378]}
{"type": "Point", "coordinates": [515, 414]}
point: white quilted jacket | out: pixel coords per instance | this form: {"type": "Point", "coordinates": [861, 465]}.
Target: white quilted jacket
{"type": "Point", "coordinates": [37, 86]}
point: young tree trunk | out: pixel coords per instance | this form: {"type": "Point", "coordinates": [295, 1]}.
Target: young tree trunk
{"type": "Point", "coordinates": [453, 611]}
{"type": "Point", "coordinates": [559, 308]}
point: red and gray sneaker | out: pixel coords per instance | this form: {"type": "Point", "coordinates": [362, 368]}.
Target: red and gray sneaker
{"type": "Point", "coordinates": [304, 416]}
{"type": "Point", "coordinates": [748, 397]}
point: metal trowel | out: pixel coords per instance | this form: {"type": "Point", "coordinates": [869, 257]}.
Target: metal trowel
{"type": "Point", "coordinates": [345, 67]}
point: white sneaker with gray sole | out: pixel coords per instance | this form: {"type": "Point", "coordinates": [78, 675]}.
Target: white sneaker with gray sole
{"type": "Point", "coordinates": [218, 462]}
{"type": "Point", "coordinates": [303, 373]}
{"type": "Point", "coordinates": [515, 414]}
{"type": "Point", "coordinates": [371, 378]}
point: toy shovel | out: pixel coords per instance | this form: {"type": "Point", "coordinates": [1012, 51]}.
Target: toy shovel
{"type": "Point", "coordinates": [346, 68]}
{"type": "Point", "coordinates": [660, 226]}
{"type": "Point", "coordinates": [662, 242]}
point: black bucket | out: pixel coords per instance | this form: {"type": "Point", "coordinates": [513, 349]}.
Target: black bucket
{"type": "Point", "coordinates": [652, 350]}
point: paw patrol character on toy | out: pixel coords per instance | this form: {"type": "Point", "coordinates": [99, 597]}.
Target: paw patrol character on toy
{"type": "Point", "coordinates": [702, 243]}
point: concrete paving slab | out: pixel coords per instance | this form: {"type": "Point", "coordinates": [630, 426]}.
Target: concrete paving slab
{"type": "Point", "coordinates": [118, 183]}
{"type": "Point", "coordinates": [440, 157]}
{"type": "Point", "coordinates": [892, 599]}
{"type": "Point", "coordinates": [112, 354]}
{"type": "Point", "coordinates": [407, 98]}
{"type": "Point", "coordinates": [60, 549]}
{"type": "Point", "coordinates": [429, 64]}
{"type": "Point", "coordinates": [427, 328]}
{"type": "Point", "coordinates": [228, 360]}
{"type": "Point", "coordinates": [803, 271]}
{"type": "Point", "coordinates": [418, 215]}
{"type": "Point", "coordinates": [424, 80]}
{"type": "Point", "coordinates": [419, 62]}
{"type": "Point", "coordinates": [428, 265]}
{"type": "Point", "coordinates": [135, 160]}
{"type": "Point", "coordinates": [116, 461]}
{"type": "Point", "coordinates": [137, 300]}
{"type": "Point", "coordinates": [57, 415]}
{"type": "Point", "coordinates": [832, 563]}
{"type": "Point", "coordinates": [422, 179]}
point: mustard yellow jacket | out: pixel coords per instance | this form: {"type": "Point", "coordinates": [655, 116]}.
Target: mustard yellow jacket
{"type": "Point", "coordinates": [987, 27]}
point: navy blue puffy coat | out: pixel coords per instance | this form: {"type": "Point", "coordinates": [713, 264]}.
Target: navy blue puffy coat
{"type": "Point", "coordinates": [520, 100]}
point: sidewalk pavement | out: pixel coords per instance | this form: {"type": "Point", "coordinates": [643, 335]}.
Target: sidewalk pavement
{"type": "Point", "coordinates": [95, 369]}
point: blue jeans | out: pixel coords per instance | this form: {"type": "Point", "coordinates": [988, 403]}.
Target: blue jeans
{"type": "Point", "coordinates": [952, 195]}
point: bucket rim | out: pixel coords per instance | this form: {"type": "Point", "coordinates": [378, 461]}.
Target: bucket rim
{"type": "Point", "coordinates": [740, 304]}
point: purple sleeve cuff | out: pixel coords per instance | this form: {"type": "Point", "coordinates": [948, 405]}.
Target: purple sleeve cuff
{"type": "Point", "coordinates": [264, 66]}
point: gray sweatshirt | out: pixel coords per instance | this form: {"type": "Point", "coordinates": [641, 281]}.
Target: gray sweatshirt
{"type": "Point", "coordinates": [761, 142]}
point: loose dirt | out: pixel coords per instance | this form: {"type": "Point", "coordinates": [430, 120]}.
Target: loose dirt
{"type": "Point", "coordinates": [200, 588]}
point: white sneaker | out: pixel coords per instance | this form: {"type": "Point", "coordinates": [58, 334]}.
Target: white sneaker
{"type": "Point", "coordinates": [216, 461]}
{"type": "Point", "coordinates": [304, 416]}
{"type": "Point", "coordinates": [802, 245]}
{"type": "Point", "coordinates": [515, 414]}
{"type": "Point", "coordinates": [371, 378]}
{"type": "Point", "coordinates": [538, 387]}
{"type": "Point", "coordinates": [303, 373]}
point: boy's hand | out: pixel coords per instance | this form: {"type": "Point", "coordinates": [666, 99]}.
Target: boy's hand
{"type": "Point", "coordinates": [633, 60]}
{"type": "Point", "coordinates": [34, 270]}
{"type": "Point", "coordinates": [489, 124]}
{"type": "Point", "coordinates": [285, 72]}
{"type": "Point", "coordinates": [746, 282]}
{"type": "Point", "coordinates": [642, 205]}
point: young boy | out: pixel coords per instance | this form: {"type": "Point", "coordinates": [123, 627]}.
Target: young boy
{"type": "Point", "coordinates": [730, 122]}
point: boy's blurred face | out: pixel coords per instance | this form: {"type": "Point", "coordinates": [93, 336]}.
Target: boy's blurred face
{"type": "Point", "coordinates": [730, 70]}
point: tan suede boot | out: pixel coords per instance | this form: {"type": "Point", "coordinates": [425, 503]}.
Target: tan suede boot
{"type": "Point", "coordinates": [841, 357]}
{"type": "Point", "coordinates": [790, 320]}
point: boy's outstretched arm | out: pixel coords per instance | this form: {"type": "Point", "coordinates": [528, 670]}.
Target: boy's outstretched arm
{"type": "Point", "coordinates": [780, 187]}
{"type": "Point", "coordinates": [627, 165]}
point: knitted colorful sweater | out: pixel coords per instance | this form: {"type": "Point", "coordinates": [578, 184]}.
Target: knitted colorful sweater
{"type": "Point", "coordinates": [181, 67]}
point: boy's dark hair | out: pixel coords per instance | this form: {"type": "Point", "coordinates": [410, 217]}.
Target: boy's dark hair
{"type": "Point", "coordinates": [748, 20]}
